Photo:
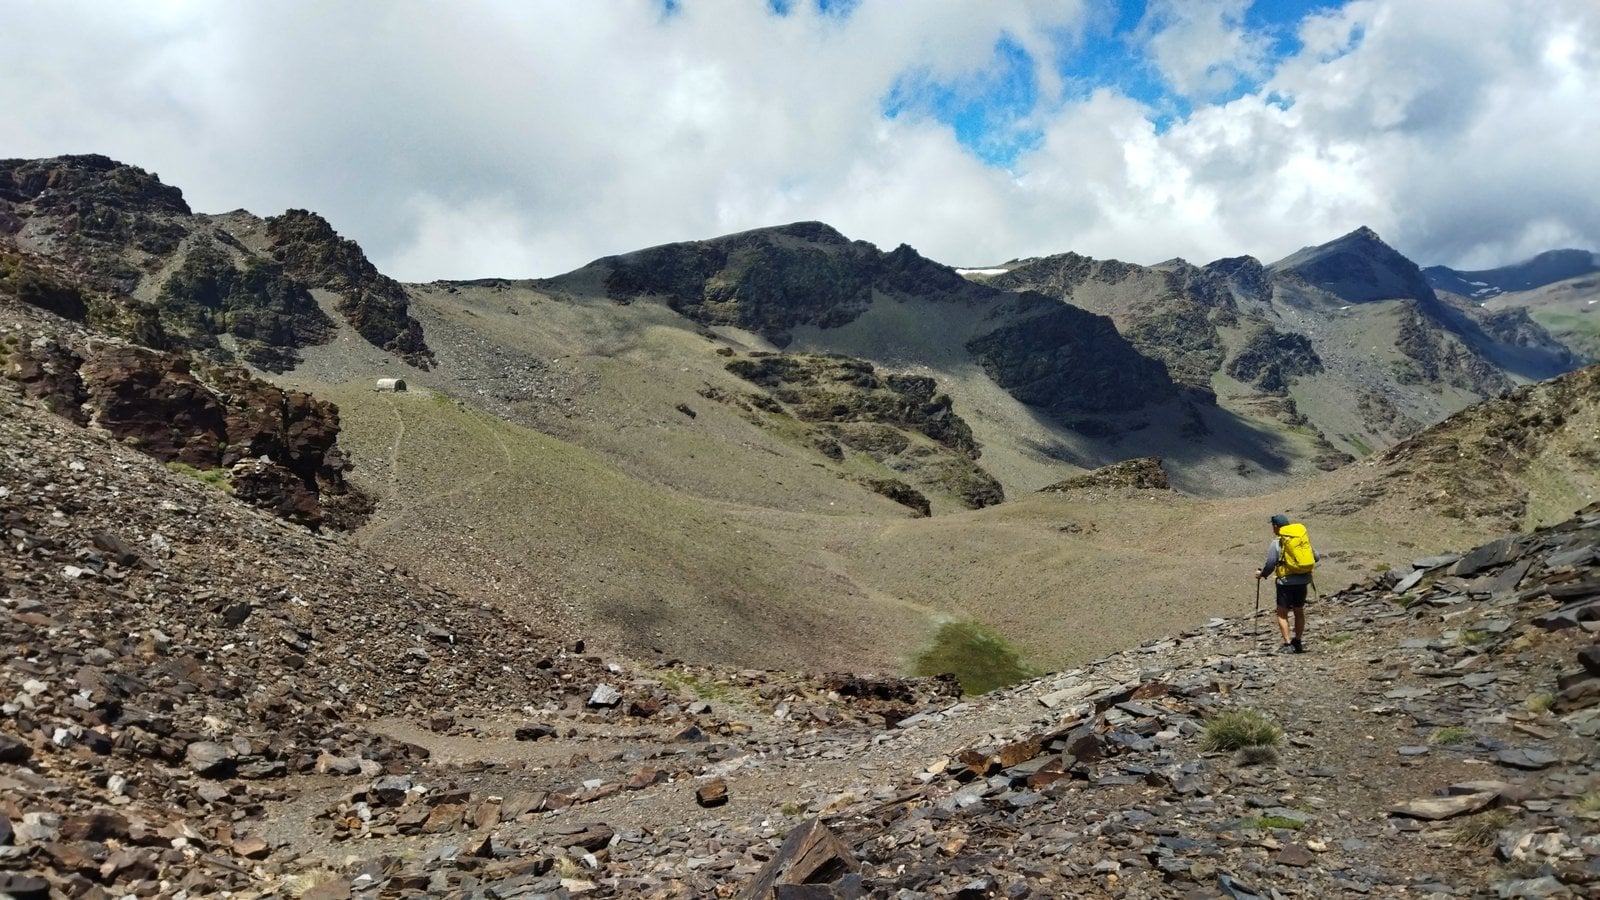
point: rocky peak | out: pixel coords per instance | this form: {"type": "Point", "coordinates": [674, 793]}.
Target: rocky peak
{"type": "Point", "coordinates": [1358, 267]}
{"type": "Point", "coordinates": [376, 305]}
{"type": "Point", "coordinates": [1245, 275]}
{"type": "Point", "coordinates": [86, 182]}
{"type": "Point", "coordinates": [771, 280]}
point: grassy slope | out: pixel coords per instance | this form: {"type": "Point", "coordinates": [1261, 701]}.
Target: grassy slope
{"type": "Point", "coordinates": [549, 529]}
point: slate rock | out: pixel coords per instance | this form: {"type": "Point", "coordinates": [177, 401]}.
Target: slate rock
{"type": "Point", "coordinates": [1435, 808]}
{"type": "Point", "coordinates": [1530, 759]}
{"type": "Point", "coordinates": [13, 750]}
{"type": "Point", "coordinates": [1294, 855]}
{"type": "Point", "coordinates": [24, 887]}
{"type": "Point", "coordinates": [535, 732]}
{"type": "Point", "coordinates": [1492, 554]}
{"type": "Point", "coordinates": [1589, 658]}
{"type": "Point", "coordinates": [210, 759]}
{"type": "Point", "coordinates": [712, 793]}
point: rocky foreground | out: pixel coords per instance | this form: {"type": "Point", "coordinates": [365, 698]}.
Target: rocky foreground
{"type": "Point", "coordinates": [200, 699]}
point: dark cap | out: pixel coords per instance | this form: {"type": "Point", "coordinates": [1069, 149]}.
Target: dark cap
{"type": "Point", "coordinates": [1280, 520]}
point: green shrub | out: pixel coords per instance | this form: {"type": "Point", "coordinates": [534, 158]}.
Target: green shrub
{"type": "Point", "coordinates": [1237, 729]}
{"type": "Point", "coordinates": [979, 657]}
{"type": "Point", "coordinates": [1455, 734]}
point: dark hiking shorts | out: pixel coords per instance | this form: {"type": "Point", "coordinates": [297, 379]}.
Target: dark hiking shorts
{"type": "Point", "coordinates": [1292, 596]}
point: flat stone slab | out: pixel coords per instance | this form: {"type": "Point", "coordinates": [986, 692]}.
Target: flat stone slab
{"type": "Point", "coordinates": [1526, 759]}
{"type": "Point", "coordinates": [1436, 808]}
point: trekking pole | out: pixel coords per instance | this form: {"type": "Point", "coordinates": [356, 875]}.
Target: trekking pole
{"type": "Point", "coordinates": [1257, 613]}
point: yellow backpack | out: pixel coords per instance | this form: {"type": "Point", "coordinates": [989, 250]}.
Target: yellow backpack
{"type": "Point", "coordinates": [1294, 551]}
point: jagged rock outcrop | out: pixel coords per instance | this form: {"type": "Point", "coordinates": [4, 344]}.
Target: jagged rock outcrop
{"type": "Point", "coordinates": [85, 237]}
{"type": "Point", "coordinates": [270, 315]}
{"type": "Point", "coordinates": [276, 449]}
{"type": "Point", "coordinates": [1144, 473]}
{"type": "Point", "coordinates": [375, 304]}
{"type": "Point", "coordinates": [1271, 360]}
{"type": "Point", "coordinates": [1492, 461]}
{"type": "Point", "coordinates": [858, 409]}
{"type": "Point", "coordinates": [1169, 312]}
{"type": "Point", "coordinates": [108, 221]}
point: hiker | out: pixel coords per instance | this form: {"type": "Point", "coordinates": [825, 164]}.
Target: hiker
{"type": "Point", "coordinates": [1289, 558]}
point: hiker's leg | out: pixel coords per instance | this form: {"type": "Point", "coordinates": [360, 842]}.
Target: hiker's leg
{"type": "Point", "coordinates": [1283, 623]}
{"type": "Point", "coordinates": [1299, 622]}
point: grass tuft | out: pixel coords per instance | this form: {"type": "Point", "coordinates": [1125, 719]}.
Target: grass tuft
{"type": "Point", "coordinates": [1455, 734]}
{"type": "Point", "coordinates": [1256, 756]}
{"type": "Point", "coordinates": [1238, 729]}
{"type": "Point", "coordinates": [977, 655]}
{"type": "Point", "coordinates": [1480, 830]}
{"type": "Point", "coordinates": [217, 478]}
{"type": "Point", "coordinates": [1540, 702]}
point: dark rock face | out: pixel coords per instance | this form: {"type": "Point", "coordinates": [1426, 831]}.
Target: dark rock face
{"type": "Point", "coordinates": [1245, 275]}
{"type": "Point", "coordinates": [97, 208]}
{"type": "Point", "coordinates": [375, 304]}
{"type": "Point", "coordinates": [772, 280]}
{"type": "Point", "coordinates": [840, 389]}
{"type": "Point", "coordinates": [1271, 360]}
{"type": "Point", "coordinates": [1436, 354]}
{"type": "Point", "coordinates": [1070, 362]}
{"type": "Point", "coordinates": [1182, 336]}
{"type": "Point", "coordinates": [101, 229]}
{"type": "Point", "coordinates": [270, 314]}
{"type": "Point", "coordinates": [154, 402]}
{"type": "Point", "coordinates": [279, 448]}
{"type": "Point", "coordinates": [31, 281]}
{"type": "Point", "coordinates": [1169, 312]}
{"type": "Point", "coordinates": [1358, 268]}
{"type": "Point", "coordinates": [48, 371]}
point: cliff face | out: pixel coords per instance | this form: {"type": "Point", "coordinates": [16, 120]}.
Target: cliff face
{"type": "Point", "coordinates": [276, 449]}
{"type": "Point", "coordinates": [95, 240]}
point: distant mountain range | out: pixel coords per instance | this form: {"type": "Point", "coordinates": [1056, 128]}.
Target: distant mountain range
{"type": "Point", "coordinates": [1546, 268]}
{"type": "Point", "coordinates": [1238, 374]}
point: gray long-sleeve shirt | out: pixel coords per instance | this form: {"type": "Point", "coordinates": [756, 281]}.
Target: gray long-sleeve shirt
{"type": "Point", "coordinates": [1273, 550]}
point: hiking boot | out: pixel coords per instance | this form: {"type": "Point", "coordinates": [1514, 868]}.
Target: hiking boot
{"type": "Point", "coordinates": [1296, 645]}
{"type": "Point", "coordinates": [1288, 648]}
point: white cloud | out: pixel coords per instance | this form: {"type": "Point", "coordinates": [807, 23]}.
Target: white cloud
{"type": "Point", "coordinates": [1201, 47]}
{"type": "Point", "coordinates": [526, 138]}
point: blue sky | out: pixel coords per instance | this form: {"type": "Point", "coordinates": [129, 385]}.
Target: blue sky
{"type": "Point", "coordinates": [528, 137]}
{"type": "Point", "coordinates": [992, 110]}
